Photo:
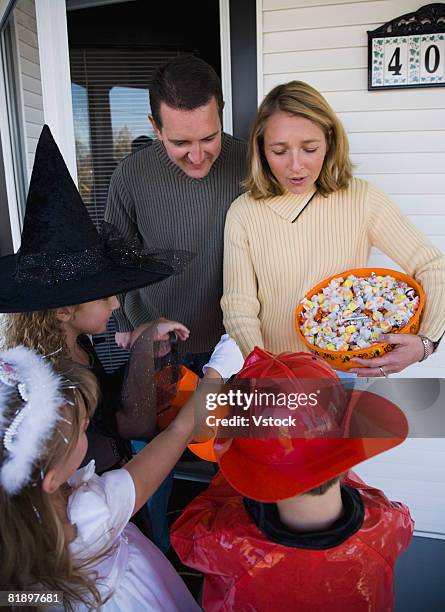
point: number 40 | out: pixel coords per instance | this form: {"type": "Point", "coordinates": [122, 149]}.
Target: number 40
{"type": "Point", "coordinates": [432, 60]}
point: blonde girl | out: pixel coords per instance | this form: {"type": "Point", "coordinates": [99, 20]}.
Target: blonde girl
{"type": "Point", "coordinates": [66, 529]}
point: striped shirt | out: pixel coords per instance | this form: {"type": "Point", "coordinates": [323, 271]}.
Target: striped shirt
{"type": "Point", "coordinates": [151, 196]}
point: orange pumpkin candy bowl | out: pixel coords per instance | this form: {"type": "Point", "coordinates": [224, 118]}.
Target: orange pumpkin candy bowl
{"type": "Point", "coordinates": [341, 360]}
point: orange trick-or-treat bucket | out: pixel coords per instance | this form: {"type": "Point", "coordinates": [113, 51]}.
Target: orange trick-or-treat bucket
{"type": "Point", "coordinates": [182, 391]}
{"type": "Point", "coordinates": [185, 388]}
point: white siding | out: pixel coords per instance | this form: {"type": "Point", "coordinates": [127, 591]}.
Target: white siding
{"type": "Point", "coordinates": [398, 143]}
{"type": "Point", "coordinates": [413, 472]}
{"type": "Point", "coordinates": [397, 137]}
{"type": "Point", "coordinates": [29, 76]}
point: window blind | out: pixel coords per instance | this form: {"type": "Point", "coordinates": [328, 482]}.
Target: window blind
{"type": "Point", "coordinates": [110, 92]}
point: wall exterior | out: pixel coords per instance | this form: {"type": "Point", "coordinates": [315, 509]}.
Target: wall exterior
{"type": "Point", "coordinates": [398, 143]}
{"type": "Point", "coordinates": [397, 137]}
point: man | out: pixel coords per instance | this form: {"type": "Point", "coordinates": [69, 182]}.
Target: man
{"type": "Point", "coordinates": [176, 193]}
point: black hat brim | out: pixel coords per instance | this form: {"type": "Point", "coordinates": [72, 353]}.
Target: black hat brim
{"type": "Point", "coordinates": [33, 296]}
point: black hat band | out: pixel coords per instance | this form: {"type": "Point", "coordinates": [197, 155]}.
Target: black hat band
{"type": "Point", "coordinates": [50, 268]}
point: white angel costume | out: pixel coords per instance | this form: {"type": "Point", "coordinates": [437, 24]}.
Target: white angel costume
{"type": "Point", "coordinates": [134, 574]}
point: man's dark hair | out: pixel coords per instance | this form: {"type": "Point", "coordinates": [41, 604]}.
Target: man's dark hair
{"type": "Point", "coordinates": [184, 83]}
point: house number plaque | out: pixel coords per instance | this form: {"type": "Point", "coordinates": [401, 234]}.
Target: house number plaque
{"type": "Point", "coordinates": [409, 51]}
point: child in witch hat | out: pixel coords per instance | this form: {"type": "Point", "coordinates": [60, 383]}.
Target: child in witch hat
{"type": "Point", "coordinates": [61, 286]}
{"type": "Point", "coordinates": [285, 525]}
{"type": "Point", "coordinates": [66, 529]}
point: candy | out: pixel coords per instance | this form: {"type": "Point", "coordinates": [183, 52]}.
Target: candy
{"type": "Point", "coordinates": [353, 313]}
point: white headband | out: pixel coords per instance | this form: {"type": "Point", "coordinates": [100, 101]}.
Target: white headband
{"type": "Point", "coordinates": [25, 436]}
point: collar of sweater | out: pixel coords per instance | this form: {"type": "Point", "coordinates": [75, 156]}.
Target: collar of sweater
{"type": "Point", "coordinates": [162, 154]}
{"type": "Point", "coordinates": [289, 205]}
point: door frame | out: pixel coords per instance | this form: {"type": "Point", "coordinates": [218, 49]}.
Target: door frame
{"type": "Point", "coordinates": [226, 64]}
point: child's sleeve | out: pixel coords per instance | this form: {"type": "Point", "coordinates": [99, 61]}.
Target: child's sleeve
{"type": "Point", "coordinates": [198, 535]}
{"type": "Point", "coordinates": [403, 527]}
{"type": "Point", "coordinates": [395, 521]}
{"type": "Point", "coordinates": [100, 506]}
{"type": "Point", "coordinates": [120, 497]}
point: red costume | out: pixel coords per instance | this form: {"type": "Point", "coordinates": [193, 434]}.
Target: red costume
{"type": "Point", "coordinates": [251, 561]}
{"type": "Point", "coordinates": [348, 568]}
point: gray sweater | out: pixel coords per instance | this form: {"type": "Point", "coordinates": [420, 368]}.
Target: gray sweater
{"type": "Point", "coordinates": [152, 196]}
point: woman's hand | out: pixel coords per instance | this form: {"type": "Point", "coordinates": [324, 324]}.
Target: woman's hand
{"type": "Point", "coordinates": [161, 328]}
{"type": "Point", "coordinates": [408, 349]}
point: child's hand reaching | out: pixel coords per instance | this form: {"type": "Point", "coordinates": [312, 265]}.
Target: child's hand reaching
{"type": "Point", "coordinates": [150, 467]}
{"type": "Point", "coordinates": [161, 328]}
{"type": "Point", "coordinates": [164, 327]}
{"type": "Point", "coordinates": [226, 358]}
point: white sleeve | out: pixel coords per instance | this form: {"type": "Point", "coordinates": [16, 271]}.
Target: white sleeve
{"type": "Point", "coordinates": [120, 496]}
{"type": "Point", "coordinates": [100, 508]}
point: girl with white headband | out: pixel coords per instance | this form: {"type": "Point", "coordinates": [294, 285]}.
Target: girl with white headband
{"type": "Point", "coordinates": [65, 529]}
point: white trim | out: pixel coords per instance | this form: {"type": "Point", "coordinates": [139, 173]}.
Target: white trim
{"type": "Point", "coordinates": [226, 64]}
{"type": "Point", "coordinates": [12, 188]}
{"type": "Point", "coordinates": [74, 5]}
{"type": "Point", "coordinates": [259, 50]}
{"type": "Point", "coordinates": [13, 204]}
{"type": "Point", "coordinates": [20, 109]}
{"type": "Point", "coordinates": [55, 74]}
{"type": "Point", "coordinates": [6, 7]}
{"type": "Point", "coordinates": [428, 534]}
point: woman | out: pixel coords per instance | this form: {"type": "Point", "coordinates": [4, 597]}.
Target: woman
{"type": "Point", "coordinates": [305, 218]}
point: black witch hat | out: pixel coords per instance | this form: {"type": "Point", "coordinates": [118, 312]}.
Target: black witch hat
{"type": "Point", "coordinates": [63, 260]}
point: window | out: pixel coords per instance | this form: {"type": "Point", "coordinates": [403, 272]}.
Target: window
{"type": "Point", "coordinates": [110, 105]}
{"type": "Point", "coordinates": [131, 128]}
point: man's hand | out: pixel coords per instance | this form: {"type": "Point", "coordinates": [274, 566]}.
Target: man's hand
{"type": "Point", "coordinates": [123, 339]}
{"type": "Point", "coordinates": [408, 349]}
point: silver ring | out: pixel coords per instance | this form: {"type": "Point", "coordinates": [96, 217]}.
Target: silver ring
{"type": "Point", "coordinates": [382, 372]}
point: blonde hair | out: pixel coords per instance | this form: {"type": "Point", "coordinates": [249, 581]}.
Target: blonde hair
{"type": "Point", "coordinates": [300, 99]}
{"type": "Point", "coordinates": [33, 544]}
{"type": "Point", "coordinates": [38, 330]}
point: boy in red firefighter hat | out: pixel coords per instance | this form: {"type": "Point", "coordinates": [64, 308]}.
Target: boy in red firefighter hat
{"type": "Point", "coordinates": [285, 524]}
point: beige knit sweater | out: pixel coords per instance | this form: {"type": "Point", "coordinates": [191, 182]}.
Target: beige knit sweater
{"type": "Point", "coordinates": [276, 250]}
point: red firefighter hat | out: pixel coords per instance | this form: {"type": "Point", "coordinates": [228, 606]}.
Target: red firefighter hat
{"type": "Point", "coordinates": [325, 440]}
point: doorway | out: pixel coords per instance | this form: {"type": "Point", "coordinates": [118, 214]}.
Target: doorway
{"type": "Point", "coordinates": [115, 48]}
